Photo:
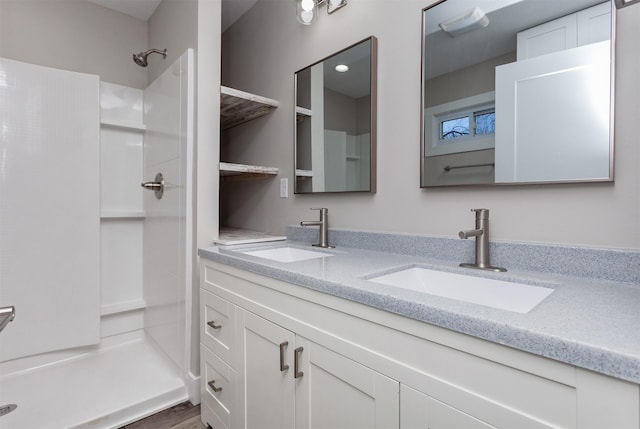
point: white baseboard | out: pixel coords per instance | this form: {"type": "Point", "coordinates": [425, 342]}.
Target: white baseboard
{"type": "Point", "coordinates": [192, 383]}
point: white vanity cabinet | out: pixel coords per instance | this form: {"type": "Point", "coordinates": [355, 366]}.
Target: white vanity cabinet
{"type": "Point", "coordinates": [289, 381]}
{"type": "Point", "coordinates": [360, 367]}
{"type": "Point", "coordinates": [257, 374]}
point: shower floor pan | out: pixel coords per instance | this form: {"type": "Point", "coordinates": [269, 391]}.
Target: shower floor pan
{"type": "Point", "coordinates": [105, 388]}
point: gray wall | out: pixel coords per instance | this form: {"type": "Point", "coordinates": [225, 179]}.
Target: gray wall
{"type": "Point", "coordinates": [476, 79]}
{"type": "Point", "coordinates": [266, 46]}
{"type": "Point", "coordinates": [173, 26]}
{"type": "Point", "coordinates": [74, 35]}
{"type": "Point", "coordinates": [340, 112]}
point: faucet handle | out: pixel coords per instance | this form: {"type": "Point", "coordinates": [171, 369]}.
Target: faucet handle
{"type": "Point", "coordinates": [481, 213]}
{"type": "Point", "coordinates": [324, 212]}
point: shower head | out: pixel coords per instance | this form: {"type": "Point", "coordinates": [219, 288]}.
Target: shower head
{"type": "Point", "coordinates": [141, 58]}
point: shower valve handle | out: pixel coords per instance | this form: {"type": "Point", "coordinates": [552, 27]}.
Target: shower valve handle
{"type": "Point", "coordinates": [151, 185]}
{"type": "Point", "coordinates": [156, 186]}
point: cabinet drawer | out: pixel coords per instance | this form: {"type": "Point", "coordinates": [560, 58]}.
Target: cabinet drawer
{"type": "Point", "coordinates": [219, 387]}
{"type": "Point", "coordinates": [218, 318]}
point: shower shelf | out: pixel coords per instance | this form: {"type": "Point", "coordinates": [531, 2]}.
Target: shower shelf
{"type": "Point", "coordinates": [123, 215]}
{"type": "Point", "coordinates": [122, 307]}
{"type": "Point", "coordinates": [123, 125]}
{"type": "Point", "coordinates": [238, 107]}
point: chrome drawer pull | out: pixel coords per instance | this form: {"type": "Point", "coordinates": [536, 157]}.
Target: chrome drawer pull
{"type": "Point", "coordinates": [283, 366]}
{"type": "Point", "coordinates": [213, 325]}
{"type": "Point", "coordinates": [296, 363]}
{"type": "Point", "coordinates": [213, 386]}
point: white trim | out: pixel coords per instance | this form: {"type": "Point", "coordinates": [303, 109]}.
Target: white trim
{"type": "Point", "coordinates": [192, 383]}
{"type": "Point", "coordinates": [431, 126]}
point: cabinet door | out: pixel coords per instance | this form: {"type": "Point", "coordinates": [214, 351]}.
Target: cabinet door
{"type": "Point", "coordinates": [552, 36]}
{"type": "Point", "coordinates": [266, 388]}
{"type": "Point", "coordinates": [594, 24]}
{"type": "Point", "coordinates": [419, 411]}
{"type": "Point", "coordinates": [335, 392]}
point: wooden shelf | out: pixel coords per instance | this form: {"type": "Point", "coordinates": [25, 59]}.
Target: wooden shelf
{"type": "Point", "coordinates": [229, 236]}
{"type": "Point", "coordinates": [304, 173]}
{"type": "Point", "coordinates": [302, 111]}
{"type": "Point", "coordinates": [237, 107]}
{"type": "Point", "coordinates": [302, 114]}
{"type": "Point", "coordinates": [231, 171]}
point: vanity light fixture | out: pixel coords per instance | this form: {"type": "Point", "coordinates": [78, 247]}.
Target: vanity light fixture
{"type": "Point", "coordinates": [342, 68]}
{"type": "Point", "coordinates": [306, 10]}
{"type": "Point", "coordinates": [470, 20]}
{"type": "Point", "coordinates": [622, 3]}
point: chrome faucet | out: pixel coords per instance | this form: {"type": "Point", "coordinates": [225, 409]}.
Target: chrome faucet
{"type": "Point", "coordinates": [481, 233]}
{"type": "Point", "coordinates": [323, 223]}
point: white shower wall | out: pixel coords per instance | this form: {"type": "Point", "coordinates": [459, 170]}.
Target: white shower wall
{"type": "Point", "coordinates": [49, 208]}
{"type": "Point", "coordinates": [122, 214]}
{"type": "Point", "coordinates": [168, 233]}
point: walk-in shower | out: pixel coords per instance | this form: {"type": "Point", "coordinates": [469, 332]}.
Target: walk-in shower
{"type": "Point", "coordinates": [102, 311]}
{"type": "Point", "coordinates": [141, 58]}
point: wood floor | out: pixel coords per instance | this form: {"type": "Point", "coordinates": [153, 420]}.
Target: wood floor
{"type": "Point", "coordinates": [181, 416]}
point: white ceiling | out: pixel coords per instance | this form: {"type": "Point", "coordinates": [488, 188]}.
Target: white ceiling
{"type": "Point", "coordinates": [143, 9]}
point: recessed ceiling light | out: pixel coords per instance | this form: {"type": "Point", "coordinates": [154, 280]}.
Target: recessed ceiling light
{"type": "Point", "coordinates": [341, 68]}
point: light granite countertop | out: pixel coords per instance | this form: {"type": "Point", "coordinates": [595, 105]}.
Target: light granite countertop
{"type": "Point", "coordinates": [586, 322]}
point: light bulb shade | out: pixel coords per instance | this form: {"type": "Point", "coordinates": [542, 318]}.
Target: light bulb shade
{"type": "Point", "coordinates": [305, 11]}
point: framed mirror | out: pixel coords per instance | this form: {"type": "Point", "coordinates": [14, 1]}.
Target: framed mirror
{"type": "Point", "coordinates": [335, 127]}
{"type": "Point", "coordinates": [517, 92]}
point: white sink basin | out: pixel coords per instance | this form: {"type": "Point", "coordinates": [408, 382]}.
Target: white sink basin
{"type": "Point", "coordinates": [504, 295]}
{"type": "Point", "coordinates": [287, 254]}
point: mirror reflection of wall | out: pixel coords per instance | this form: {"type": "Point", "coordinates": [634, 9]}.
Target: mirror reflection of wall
{"type": "Point", "coordinates": [516, 91]}
{"type": "Point", "coordinates": [335, 122]}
